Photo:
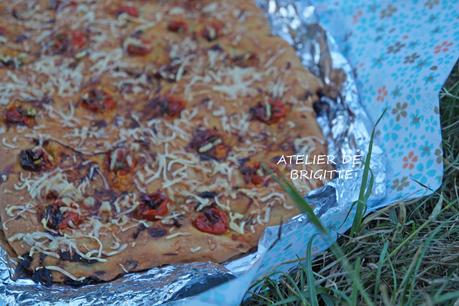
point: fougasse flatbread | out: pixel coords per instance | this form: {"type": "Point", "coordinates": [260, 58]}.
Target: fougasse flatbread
{"type": "Point", "coordinates": [133, 133]}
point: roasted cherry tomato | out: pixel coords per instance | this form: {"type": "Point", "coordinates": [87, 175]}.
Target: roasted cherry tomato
{"type": "Point", "coordinates": [165, 106]}
{"type": "Point", "coordinates": [3, 31]}
{"type": "Point", "coordinates": [152, 205]}
{"type": "Point", "coordinates": [270, 112]}
{"type": "Point", "coordinates": [57, 220]}
{"type": "Point", "coordinates": [70, 219]}
{"type": "Point", "coordinates": [174, 106]}
{"type": "Point", "coordinates": [212, 30]}
{"type": "Point", "coordinates": [68, 42]}
{"type": "Point", "coordinates": [138, 47]}
{"type": "Point", "coordinates": [209, 144]}
{"type": "Point", "coordinates": [129, 10]}
{"type": "Point", "coordinates": [20, 115]}
{"type": "Point", "coordinates": [177, 26]}
{"type": "Point", "coordinates": [120, 160]}
{"type": "Point", "coordinates": [137, 50]}
{"type": "Point", "coordinates": [212, 220]}
{"type": "Point", "coordinates": [98, 100]}
{"type": "Point", "coordinates": [78, 39]}
{"type": "Point", "coordinates": [60, 44]}
{"type": "Point", "coordinates": [251, 171]}
{"type": "Point", "coordinates": [35, 160]}
{"type": "Point", "coordinates": [191, 4]}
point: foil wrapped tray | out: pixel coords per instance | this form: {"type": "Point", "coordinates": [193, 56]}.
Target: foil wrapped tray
{"type": "Point", "coordinates": [345, 127]}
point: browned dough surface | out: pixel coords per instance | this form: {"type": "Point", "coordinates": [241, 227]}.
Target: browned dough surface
{"type": "Point", "coordinates": [220, 79]}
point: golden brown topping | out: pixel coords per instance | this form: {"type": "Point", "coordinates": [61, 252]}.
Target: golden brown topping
{"type": "Point", "coordinates": [120, 164]}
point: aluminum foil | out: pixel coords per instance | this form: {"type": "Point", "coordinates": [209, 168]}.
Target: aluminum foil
{"type": "Point", "coordinates": [346, 128]}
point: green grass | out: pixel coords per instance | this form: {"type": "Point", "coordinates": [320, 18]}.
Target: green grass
{"type": "Point", "coordinates": [405, 254]}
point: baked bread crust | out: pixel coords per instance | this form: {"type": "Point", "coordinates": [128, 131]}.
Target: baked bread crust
{"type": "Point", "coordinates": [132, 136]}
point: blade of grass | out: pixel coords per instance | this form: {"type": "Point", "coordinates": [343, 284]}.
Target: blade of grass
{"type": "Point", "coordinates": [361, 209]}
{"type": "Point", "coordinates": [327, 299]}
{"type": "Point", "coordinates": [345, 300]}
{"type": "Point", "coordinates": [447, 297]}
{"type": "Point", "coordinates": [415, 232]}
{"type": "Point", "coordinates": [414, 266]}
{"type": "Point", "coordinates": [385, 296]}
{"type": "Point", "coordinates": [298, 199]}
{"type": "Point", "coordinates": [308, 210]}
{"type": "Point", "coordinates": [361, 202]}
{"type": "Point", "coordinates": [292, 285]}
{"type": "Point", "coordinates": [286, 301]}
{"type": "Point", "coordinates": [368, 193]}
{"type": "Point", "coordinates": [354, 294]}
{"type": "Point", "coordinates": [264, 298]}
{"type": "Point", "coordinates": [382, 259]}
{"type": "Point", "coordinates": [394, 280]}
{"type": "Point", "coordinates": [339, 254]}
{"type": "Point", "coordinates": [310, 276]}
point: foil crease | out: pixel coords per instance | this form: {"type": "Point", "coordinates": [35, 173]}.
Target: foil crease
{"type": "Point", "coordinates": [346, 128]}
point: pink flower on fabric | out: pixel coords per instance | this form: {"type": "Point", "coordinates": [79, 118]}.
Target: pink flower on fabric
{"type": "Point", "coordinates": [409, 160]}
{"type": "Point", "coordinates": [356, 17]}
{"type": "Point", "coordinates": [382, 93]}
{"type": "Point", "coordinates": [443, 47]}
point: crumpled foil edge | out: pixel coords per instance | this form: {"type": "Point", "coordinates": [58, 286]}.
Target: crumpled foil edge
{"type": "Point", "coordinates": [345, 124]}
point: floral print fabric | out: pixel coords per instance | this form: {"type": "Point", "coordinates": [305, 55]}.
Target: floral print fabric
{"type": "Point", "coordinates": [402, 53]}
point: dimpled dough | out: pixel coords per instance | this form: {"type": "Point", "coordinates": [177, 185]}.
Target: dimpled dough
{"type": "Point", "coordinates": [132, 133]}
